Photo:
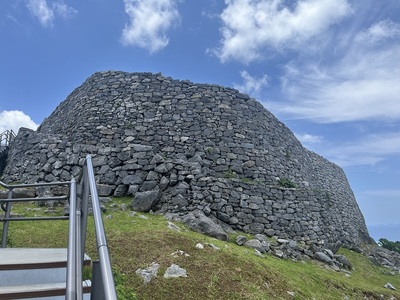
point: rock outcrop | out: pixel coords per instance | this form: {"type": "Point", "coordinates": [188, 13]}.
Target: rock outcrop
{"type": "Point", "coordinates": [180, 147]}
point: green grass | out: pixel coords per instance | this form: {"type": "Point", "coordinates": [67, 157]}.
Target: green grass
{"type": "Point", "coordinates": [233, 272]}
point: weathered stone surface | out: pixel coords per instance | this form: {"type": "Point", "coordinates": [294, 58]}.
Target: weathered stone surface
{"type": "Point", "coordinates": [199, 222]}
{"type": "Point", "coordinates": [240, 240]}
{"type": "Point", "coordinates": [132, 179]}
{"type": "Point", "coordinates": [253, 243]}
{"type": "Point", "coordinates": [105, 190]}
{"type": "Point", "coordinates": [203, 147]}
{"type": "Point", "coordinates": [323, 257]}
{"type": "Point", "coordinates": [19, 193]}
{"type": "Point", "coordinates": [389, 286]}
{"type": "Point", "coordinates": [174, 271]}
{"type": "Point", "coordinates": [144, 201]}
{"type": "Point", "coordinates": [149, 273]}
{"type": "Point", "coordinates": [345, 263]}
{"type": "Point", "coordinates": [121, 191]}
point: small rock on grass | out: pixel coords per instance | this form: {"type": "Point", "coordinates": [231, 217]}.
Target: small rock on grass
{"type": "Point", "coordinates": [240, 240]}
{"type": "Point", "coordinates": [213, 246]}
{"type": "Point", "coordinates": [258, 253]}
{"type": "Point", "coordinates": [173, 227]}
{"type": "Point", "coordinates": [199, 246]}
{"type": "Point", "coordinates": [175, 271]}
{"type": "Point", "coordinates": [291, 293]}
{"type": "Point", "coordinates": [390, 286]}
{"type": "Point", "coordinates": [149, 273]}
{"type": "Point", "coordinates": [179, 253]}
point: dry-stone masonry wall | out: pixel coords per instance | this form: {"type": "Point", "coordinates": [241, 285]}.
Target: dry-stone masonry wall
{"type": "Point", "coordinates": [178, 147]}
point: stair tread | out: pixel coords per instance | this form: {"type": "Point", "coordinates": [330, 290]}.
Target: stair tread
{"type": "Point", "coordinates": [30, 258]}
{"type": "Point", "coordinates": [34, 290]}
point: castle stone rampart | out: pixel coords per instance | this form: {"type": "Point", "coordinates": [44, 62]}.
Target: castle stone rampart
{"type": "Point", "coordinates": [177, 146]}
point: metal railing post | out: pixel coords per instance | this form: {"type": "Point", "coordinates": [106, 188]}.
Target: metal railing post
{"type": "Point", "coordinates": [79, 257]}
{"type": "Point", "coordinates": [71, 292]}
{"type": "Point", "coordinates": [6, 222]}
{"type": "Point", "coordinates": [84, 207]}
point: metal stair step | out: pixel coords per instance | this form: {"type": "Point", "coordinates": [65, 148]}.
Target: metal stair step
{"type": "Point", "coordinates": [32, 266]}
{"type": "Point", "coordinates": [34, 258]}
{"type": "Point", "coordinates": [38, 290]}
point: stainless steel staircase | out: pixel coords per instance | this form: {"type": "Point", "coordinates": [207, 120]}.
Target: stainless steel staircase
{"type": "Point", "coordinates": [35, 273]}
{"type": "Point", "coordinates": [32, 273]}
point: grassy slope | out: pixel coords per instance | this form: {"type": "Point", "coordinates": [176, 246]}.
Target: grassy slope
{"type": "Point", "coordinates": [233, 272]}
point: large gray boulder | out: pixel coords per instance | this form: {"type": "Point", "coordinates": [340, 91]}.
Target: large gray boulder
{"type": "Point", "coordinates": [199, 222]}
{"type": "Point", "coordinates": [321, 256]}
{"type": "Point", "coordinates": [144, 201]}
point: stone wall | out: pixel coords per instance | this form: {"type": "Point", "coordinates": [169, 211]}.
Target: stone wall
{"type": "Point", "coordinates": [178, 146]}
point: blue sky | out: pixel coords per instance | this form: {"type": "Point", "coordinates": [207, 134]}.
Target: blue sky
{"type": "Point", "coordinates": [329, 69]}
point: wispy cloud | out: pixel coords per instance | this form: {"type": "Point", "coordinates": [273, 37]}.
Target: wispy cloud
{"type": "Point", "coordinates": [368, 150]}
{"type": "Point", "coordinates": [251, 85]}
{"type": "Point", "coordinates": [63, 10]}
{"type": "Point", "coordinates": [362, 85]}
{"type": "Point", "coordinates": [14, 119]}
{"type": "Point", "coordinates": [379, 31]}
{"type": "Point", "coordinates": [337, 68]}
{"type": "Point", "coordinates": [308, 139]}
{"type": "Point", "coordinates": [357, 79]}
{"type": "Point", "coordinates": [46, 13]}
{"type": "Point", "coordinates": [42, 11]}
{"type": "Point", "coordinates": [251, 28]}
{"type": "Point", "coordinates": [149, 22]}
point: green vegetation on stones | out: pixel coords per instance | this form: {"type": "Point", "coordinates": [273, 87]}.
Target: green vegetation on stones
{"type": "Point", "coordinates": [287, 154]}
{"type": "Point", "coordinates": [286, 183]}
{"type": "Point", "coordinates": [229, 174]}
{"type": "Point", "coordinates": [392, 246]}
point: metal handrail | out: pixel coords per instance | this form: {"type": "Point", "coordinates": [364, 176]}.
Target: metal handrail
{"type": "Point", "coordinates": [5, 205]}
{"type": "Point", "coordinates": [25, 185]}
{"type": "Point", "coordinates": [57, 198]}
{"type": "Point", "coordinates": [71, 291]}
{"type": "Point", "coordinates": [77, 236]}
{"type": "Point", "coordinates": [7, 136]}
{"type": "Point", "coordinates": [102, 247]}
{"type": "Point", "coordinates": [76, 233]}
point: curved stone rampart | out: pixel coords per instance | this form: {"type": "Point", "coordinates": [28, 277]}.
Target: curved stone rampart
{"type": "Point", "coordinates": [178, 146]}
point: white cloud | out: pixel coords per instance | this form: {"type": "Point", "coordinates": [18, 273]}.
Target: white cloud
{"type": "Point", "coordinates": [250, 27]}
{"type": "Point", "coordinates": [14, 119]}
{"type": "Point", "coordinates": [42, 11]}
{"type": "Point", "coordinates": [149, 22]}
{"type": "Point", "coordinates": [380, 31]}
{"type": "Point", "coordinates": [47, 13]}
{"type": "Point", "coordinates": [368, 150]}
{"type": "Point", "coordinates": [252, 85]}
{"type": "Point", "coordinates": [362, 84]}
{"type": "Point", "coordinates": [65, 11]}
{"type": "Point", "coordinates": [308, 139]}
